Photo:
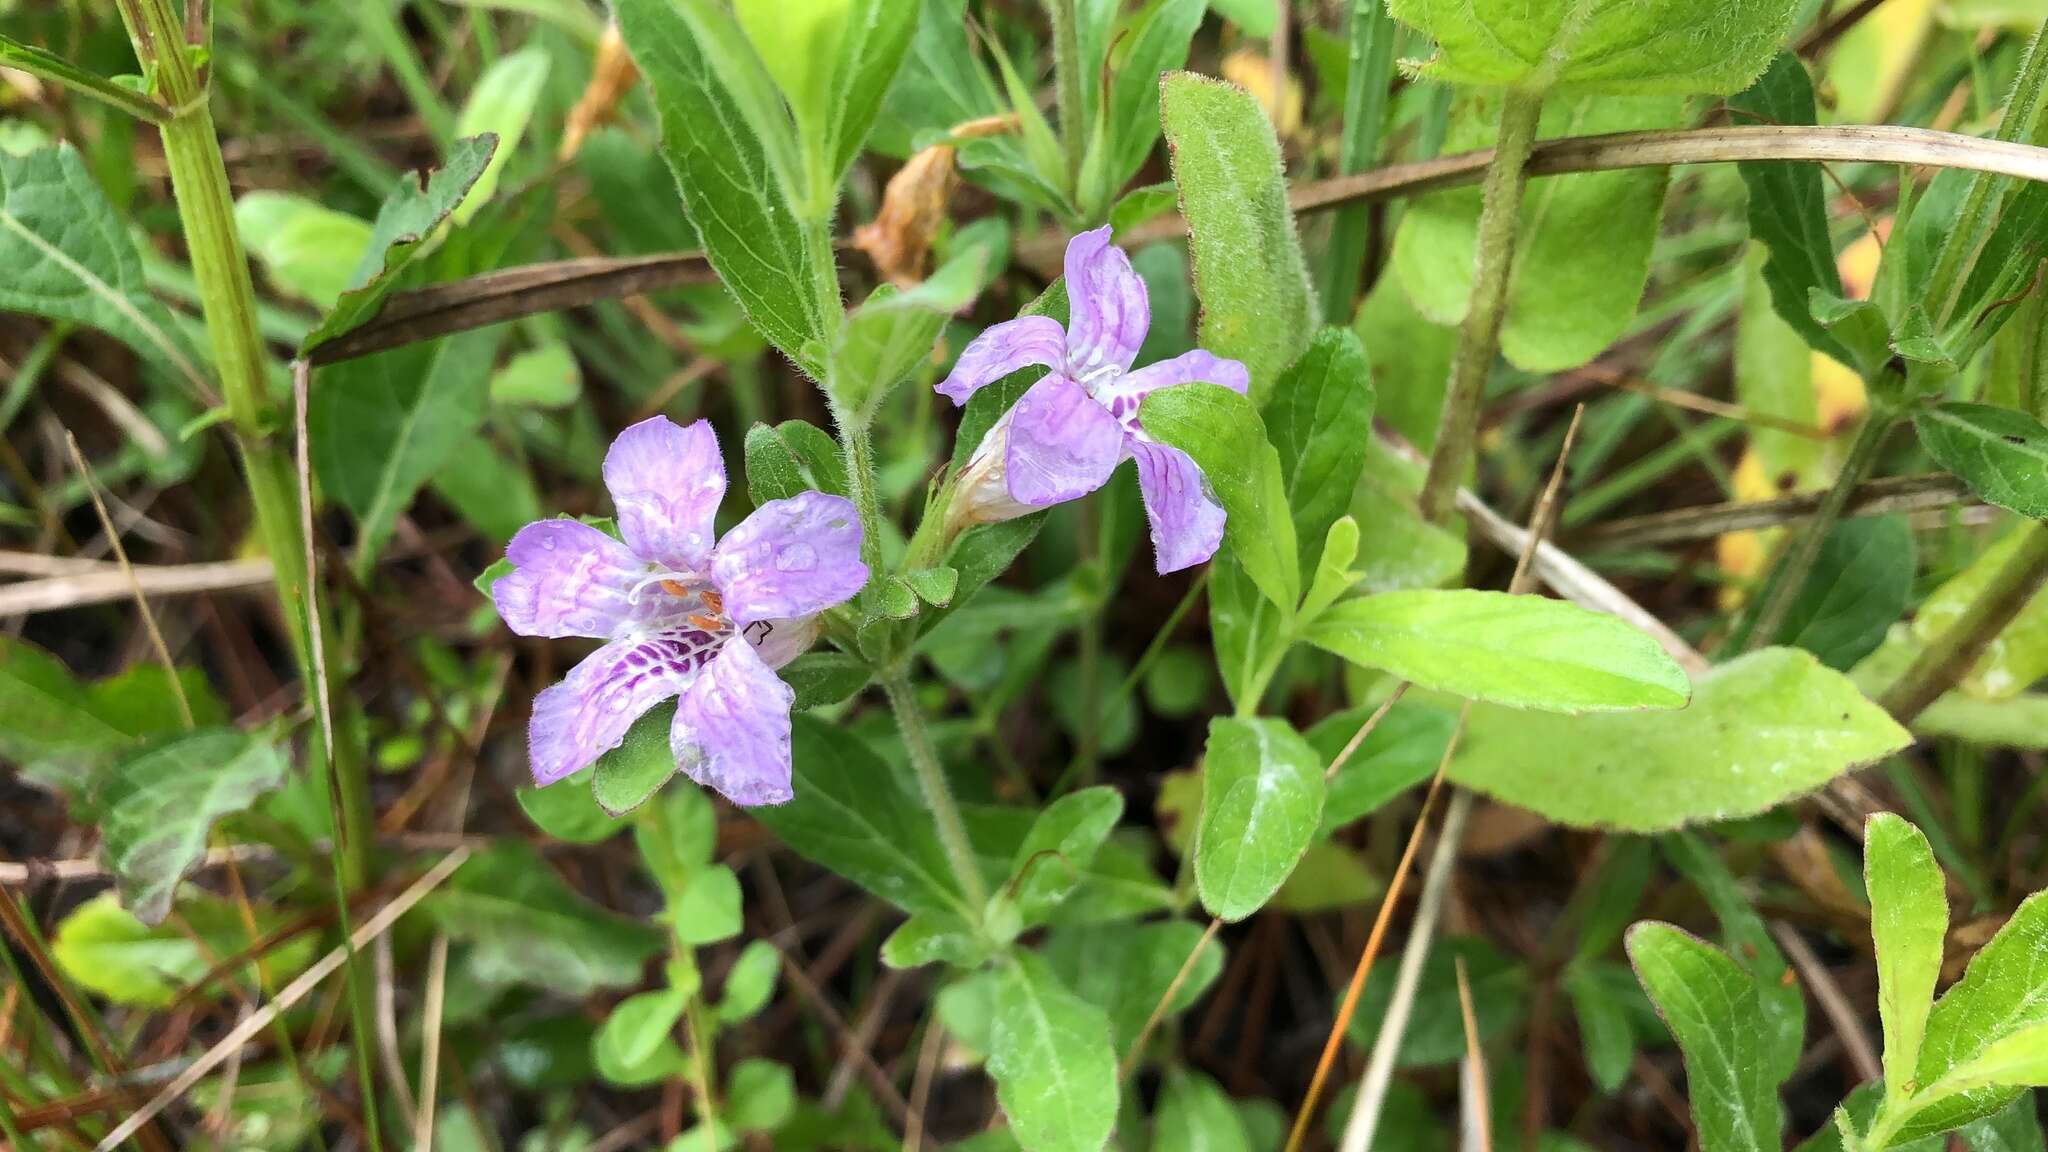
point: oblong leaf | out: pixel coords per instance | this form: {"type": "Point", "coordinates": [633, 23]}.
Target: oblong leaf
{"type": "Point", "coordinates": [1262, 800]}
{"type": "Point", "coordinates": [161, 803]}
{"type": "Point", "coordinates": [1050, 1054]}
{"type": "Point", "coordinates": [1908, 921]}
{"type": "Point", "coordinates": [1713, 1009]}
{"type": "Point", "coordinates": [2000, 453]}
{"type": "Point", "coordinates": [1223, 433]}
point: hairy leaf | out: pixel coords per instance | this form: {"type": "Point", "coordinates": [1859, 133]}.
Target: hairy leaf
{"type": "Point", "coordinates": [1262, 799]}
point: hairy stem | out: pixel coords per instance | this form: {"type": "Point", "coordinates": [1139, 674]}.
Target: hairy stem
{"type": "Point", "coordinates": [1067, 65]}
{"type": "Point", "coordinates": [1953, 653]}
{"type": "Point", "coordinates": [1479, 338]}
{"type": "Point", "coordinates": [938, 795]}
{"type": "Point", "coordinates": [1789, 576]}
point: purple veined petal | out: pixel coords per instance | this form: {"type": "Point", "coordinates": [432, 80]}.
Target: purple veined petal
{"type": "Point", "coordinates": [587, 714]}
{"type": "Point", "coordinates": [1003, 349]}
{"type": "Point", "coordinates": [570, 579]}
{"type": "Point", "coordinates": [1062, 444]}
{"type": "Point", "coordinates": [793, 557]}
{"type": "Point", "coordinates": [667, 482]}
{"type": "Point", "coordinates": [1187, 523]}
{"type": "Point", "coordinates": [1107, 309]}
{"type": "Point", "coordinates": [1126, 392]}
{"type": "Point", "coordinates": [731, 731]}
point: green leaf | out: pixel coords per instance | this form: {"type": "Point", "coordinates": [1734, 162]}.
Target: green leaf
{"type": "Point", "coordinates": [2000, 453]}
{"type": "Point", "coordinates": [1858, 326]}
{"type": "Point", "coordinates": [543, 377]}
{"type": "Point", "coordinates": [500, 106]}
{"type": "Point", "coordinates": [1403, 750]}
{"type": "Point", "coordinates": [1608, 1039]}
{"type": "Point", "coordinates": [677, 836]}
{"type": "Point", "coordinates": [792, 457]}
{"type": "Point", "coordinates": [308, 250]}
{"type": "Point", "coordinates": [1760, 730]}
{"type": "Point", "coordinates": [1319, 419]}
{"type": "Point", "coordinates": [524, 925]}
{"type": "Point", "coordinates": [629, 775]}
{"type": "Point", "coordinates": [638, 1027]}
{"type": "Point", "coordinates": [707, 910]}
{"type": "Point", "coordinates": [1062, 842]}
{"type": "Point", "coordinates": [1522, 651]}
{"type": "Point", "coordinates": [851, 817]}
{"type": "Point", "coordinates": [1195, 1115]}
{"type": "Point", "coordinates": [1050, 1054]}
{"type": "Point", "coordinates": [1666, 47]}
{"type": "Point", "coordinates": [1713, 1009]}
{"type": "Point", "coordinates": [1333, 575]}
{"type": "Point", "coordinates": [1222, 432]}
{"type": "Point", "coordinates": [1262, 798]}
{"type": "Point", "coordinates": [876, 36]}
{"type": "Point", "coordinates": [1154, 39]}
{"type": "Point", "coordinates": [750, 982]}
{"type": "Point", "coordinates": [727, 175]}
{"type": "Point", "coordinates": [405, 222]}
{"type": "Point", "coordinates": [1257, 306]}
{"type": "Point", "coordinates": [2000, 997]}
{"type": "Point", "coordinates": [1247, 630]}
{"type": "Point", "coordinates": [161, 804]}
{"type": "Point", "coordinates": [1436, 1027]}
{"type": "Point", "coordinates": [1126, 969]}
{"type": "Point", "coordinates": [2019, 655]}
{"type": "Point", "coordinates": [1787, 204]}
{"type": "Point", "coordinates": [1908, 922]}
{"type": "Point", "coordinates": [110, 953]}
{"type": "Point", "coordinates": [891, 333]}
{"type": "Point", "coordinates": [381, 425]}
{"type": "Point", "coordinates": [68, 257]}
{"type": "Point", "coordinates": [48, 716]}
{"type": "Point", "coordinates": [823, 678]}
{"type": "Point", "coordinates": [935, 938]}
{"type": "Point", "coordinates": [760, 1095]}
{"type": "Point", "coordinates": [568, 812]}
{"type": "Point", "coordinates": [1584, 252]}
{"type": "Point", "coordinates": [489, 489]}
{"type": "Point", "coordinates": [1411, 360]}
{"type": "Point", "coordinates": [1858, 587]}
{"type": "Point", "coordinates": [2013, 1128]}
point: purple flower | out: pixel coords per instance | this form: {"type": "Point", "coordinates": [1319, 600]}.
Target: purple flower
{"type": "Point", "coordinates": [1066, 435]}
{"type": "Point", "coordinates": [679, 616]}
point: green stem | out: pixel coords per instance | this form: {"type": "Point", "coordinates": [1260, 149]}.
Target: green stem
{"type": "Point", "coordinates": [1952, 654]}
{"type": "Point", "coordinates": [1500, 220]}
{"type": "Point", "coordinates": [1067, 65]}
{"type": "Point", "coordinates": [1789, 576]}
{"type": "Point", "coordinates": [938, 795]}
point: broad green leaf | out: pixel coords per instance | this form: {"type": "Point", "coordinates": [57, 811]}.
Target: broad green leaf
{"type": "Point", "coordinates": [798, 42]}
{"type": "Point", "coordinates": [1402, 550]}
{"type": "Point", "coordinates": [1125, 969]}
{"type": "Point", "coordinates": [64, 727]}
{"type": "Point", "coordinates": [940, 83]}
{"type": "Point", "coordinates": [707, 909]}
{"type": "Point", "coordinates": [500, 106]}
{"type": "Point", "coordinates": [1858, 587]}
{"type": "Point", "coordinates": [850, 816]}
{"type": "Point", "coordinates": [1257, 306]}
{"type": "Point", "coordinates": [792, 457]}
{"type": "Point", "coordinates": [568, 812]}
{"type": "Point", "coordinates": [1584, 252]}
{"type": "Point", "coordinates": [408, 218]}
{"type": "Point", "coordinates": [893, 331]}
{"type": "Point", "coordinates": [109, 952]}
{"type": "Point", "coordinates": [1154, 39]}
{"type": "Point", "coordinates": [1666, 47]}
{"type": "Point", "coordinates": [1328, 877]}
{"type": "Point", "coordinates": [1436, 1027]}
{"type": "Point", "coordinates": [1858, 326]}
{"type": "Point", "coordinates": [2014, 1128]}
{"type": "Point", "coordinates": [1222, 432]}
{"type": "Point", "coordinates": [1403, 750]}
{"type": "Point", "coordinates": [1745, 938]}
{"type": "Point", "coordinates": [1605, 1034]}
{"type": "Point", "coordinates": [2000, 453]}
{"type": "Point", "coordinates": [627, 776]}
{"type": "Point", "coordinates": [489, 489]}
{"type": "Point", "coordinates": [2019, 655]}
{"type": "Point", "coordinates": [1063, 840]}
{"type": "Point", "coordinates": [1319, 419]}
{"type": "Point", "coordinates": [2000, 996]}
{"type": "Point", "coordinates": [1119, 884]}
{"type": "Point", "coordinates": [1195, 1115]}
{"type": "Point", "coordinates": [638, 1027]}
{"type": "Point", "coordinates": [2018, 1060]}
{"type": "Point", "coordinates": [1522, 651]}
{"type": "Point", "coordinates": [381, 425]}
{"type": "Point", "coordinates": [1787, 204]}
{"type": "Point", "coordinates": [1411, 360]}
{"type": "Point", "coordinates": [729, 184]}
{"type": "Point", "coordinates": [824, 677]}
{"type": "Point", "coordinates": [1050, 1054]}
{"type": "Point", "coordinates": [1760, 730]}
{"type": "Point", "coordinates": [1247, 629]}
{"type": "Point", "coordinates": [1908, 922]}
{"type": "Point", "coordinates": [874, 39]}
{"type": "Point", "coordinates": [161, 804]}
{"type": "Point", "coordinates": [677, 837]}
{"type": "Point", "coordinates": [935, 938]}
{"type": "Point", "coordinates": [307, 249]}
{"type": "Point", "coordinates": [760, 1095]}
{"type": "Point", "coordinates": [750, 982]}
{"type": "Point", "coordinates": [68, 257]}
{"type": "Point", "coordinates": [1262, 798]}
{"type": "Point", "coordinates": [1712, 1007]}
{"type": "Point", "coordinates": [543, 377]}
{"type": "Point", "coordinates": [524, 925]}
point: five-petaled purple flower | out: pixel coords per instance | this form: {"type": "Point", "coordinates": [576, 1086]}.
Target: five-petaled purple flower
{"type": "Point", "coordinates": [1066, 434]}
{"type": "Point", "coordinates": [680, 617]}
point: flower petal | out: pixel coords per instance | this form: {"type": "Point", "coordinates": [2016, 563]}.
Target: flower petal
{"type": "Point", "coordinates": [570, 579]}
{"type": "Point", "coordinates": [1062, 444]}
{"type": "Point", "coordinates": [1126, 392]}
{"type": "Point", "coordinates": [1001, 350]}
{"type": "Point", "coordinates": [731, 731]}
{"type": "Point", "coordinates": [667, 481]}
{"type": "Point", "coordinates": [793, 557]}
{"type": "Point", "coordinates": [1187, 523]}
{"type": "Point", "coordinates": [587, 714]}
{"type": "Point", "coordinates": [1107, 309]}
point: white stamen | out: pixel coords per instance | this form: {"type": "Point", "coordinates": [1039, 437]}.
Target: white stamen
{"type": "Point", "coordinates": [685, 578]}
